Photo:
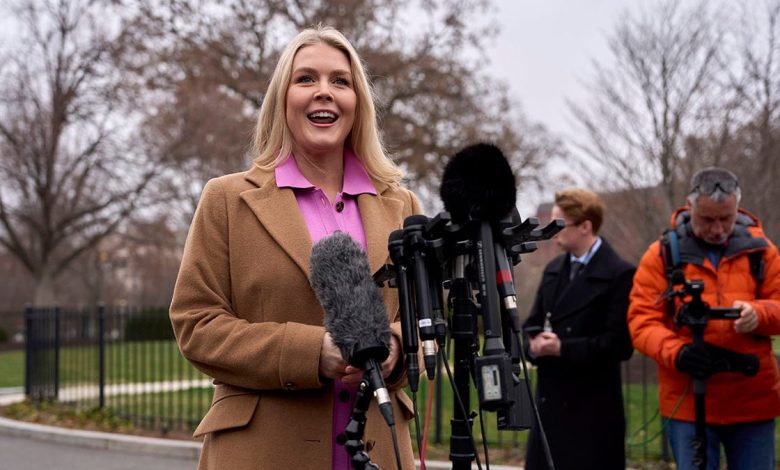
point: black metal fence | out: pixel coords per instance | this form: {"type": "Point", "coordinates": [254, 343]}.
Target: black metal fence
{"type": "Point", "coordinates": [124, 360]}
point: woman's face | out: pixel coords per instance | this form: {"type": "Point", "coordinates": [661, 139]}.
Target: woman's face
{"type": "Point", "coordinates": [320, 100]}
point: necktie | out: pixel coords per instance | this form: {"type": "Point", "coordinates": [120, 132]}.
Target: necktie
{"type": "Point", "coordinates": [575, 269]}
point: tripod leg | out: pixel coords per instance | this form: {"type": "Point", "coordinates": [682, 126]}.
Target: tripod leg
{"type": "Point", "coordinates": [699, 441]}
{"type": "Point", "coordinates": [462, 451]}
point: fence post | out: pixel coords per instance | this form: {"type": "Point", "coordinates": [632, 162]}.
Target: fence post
{"type": "Point", "coordinates": [28, 349]}
{"type": "Point", "coordinates": [101, 355]}
{"type": "Point", "coordinates": [56, 353]}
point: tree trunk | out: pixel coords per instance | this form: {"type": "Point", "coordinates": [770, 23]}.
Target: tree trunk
{"type": "Point", "coordinates": [44, 290]}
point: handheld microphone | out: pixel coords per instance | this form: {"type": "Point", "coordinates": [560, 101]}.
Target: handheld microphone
{"type": "Point", "coordinates": [414, 242]}
{"type": "Point", "coordinates": [506, 287]}
{"type": "Point", "coordinates": [355, 314]}
{"type": "Point", "coordinates": [409, 339]}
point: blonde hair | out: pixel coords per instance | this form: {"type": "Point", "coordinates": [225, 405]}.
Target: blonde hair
{"type": "Point", "coordinates": [273, 140]}
{"type": "Point", "coordinates": [580, 205]}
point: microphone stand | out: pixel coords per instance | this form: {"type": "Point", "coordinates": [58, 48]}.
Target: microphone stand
{"type": "Point", "coordinates": [462, 328]}
{"type": "Point", "coordinates": [357, 426]}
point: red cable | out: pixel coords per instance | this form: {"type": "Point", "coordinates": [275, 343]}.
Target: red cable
{"type": "Point", "coordinates": [427, 424]}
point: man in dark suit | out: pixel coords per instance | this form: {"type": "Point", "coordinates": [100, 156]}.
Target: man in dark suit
{"type": "Point", "coordinates": [578, 336]}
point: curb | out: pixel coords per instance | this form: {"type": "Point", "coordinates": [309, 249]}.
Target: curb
{"type": "Point", "coordinates": [149, 445]}
{"type": "Point", "coordinates": [101, 440]}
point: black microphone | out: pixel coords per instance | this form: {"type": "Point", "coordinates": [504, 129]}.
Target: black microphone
{"type": "Point", "coordinates": [409, 338]}
{"type": "Point", "coordinates": [355, 314]}
{"type": "Point", "coordinates": [478, 183]}
{"type": "Point", "coordinates": [478, 188]}
{"type": "Point", "coordinates": [414, 242]}
{"type": "Point", "coordinates": [506, 287]}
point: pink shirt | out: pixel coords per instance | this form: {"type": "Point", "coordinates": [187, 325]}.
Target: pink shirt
{"type": "Point", "coordinates": [323, 218]}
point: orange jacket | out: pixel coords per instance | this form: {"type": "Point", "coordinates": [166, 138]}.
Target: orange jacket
{"type": "Point", "coordinates": [730, 397]}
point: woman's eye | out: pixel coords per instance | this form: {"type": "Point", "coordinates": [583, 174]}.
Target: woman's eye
{"type": "Point", "coordinates": [341, 81]}
{"type": "Point", "coordinates": [304, 79]}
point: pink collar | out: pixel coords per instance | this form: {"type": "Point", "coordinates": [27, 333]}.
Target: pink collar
{"type": "Point", "coordinates": [356, 180]}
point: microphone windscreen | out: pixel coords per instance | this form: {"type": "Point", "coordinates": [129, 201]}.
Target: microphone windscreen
{"type": "Point", "coordinates": [355, 314]}
{"type": "Point", "coordinates": [478, 182]}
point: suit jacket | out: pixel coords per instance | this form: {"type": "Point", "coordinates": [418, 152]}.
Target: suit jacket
{"type": "Point", "coordinates": [579, 393]}
{"type": "Point", "coordinates": [245, 314]}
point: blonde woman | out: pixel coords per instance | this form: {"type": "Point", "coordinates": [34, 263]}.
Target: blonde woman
{"type": "Point", "coordinates": [243, 309]}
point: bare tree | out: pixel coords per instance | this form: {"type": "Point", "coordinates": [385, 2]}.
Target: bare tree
{"type": "Point", "coordinates": [657, 90]}
{"type": "Point", "coordinates": [752, 152]}
{"type": "Point", "coordinates": [70, 173]}
{"type": "Point", "coordinates": [434, 96]}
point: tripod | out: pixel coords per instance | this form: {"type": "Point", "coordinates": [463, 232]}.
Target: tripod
{"type": "Point", "coordinates": [695, 314]}
{"type": "Point", "coordinates": [462, 451]}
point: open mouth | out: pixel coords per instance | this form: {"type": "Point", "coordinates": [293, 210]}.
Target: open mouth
{"type": "Point", "coordinates": [322, 117]}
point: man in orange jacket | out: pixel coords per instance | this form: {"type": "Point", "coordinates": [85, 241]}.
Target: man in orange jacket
{"type": "Point", "coordinates": [715, 242]}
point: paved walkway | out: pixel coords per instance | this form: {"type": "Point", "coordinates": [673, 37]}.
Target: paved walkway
{"type": "Point", "coordinates": [83, 392]}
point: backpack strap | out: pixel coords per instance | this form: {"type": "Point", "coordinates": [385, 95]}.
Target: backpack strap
{"type": "Point", "coordinates": [670, 253]}
{"type": "Point", "coordinates": [757, 268]}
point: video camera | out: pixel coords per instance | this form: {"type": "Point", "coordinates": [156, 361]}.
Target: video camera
{"type": "Point", "coordinates": [693, 311]}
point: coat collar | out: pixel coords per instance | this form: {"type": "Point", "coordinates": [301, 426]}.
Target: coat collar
{"type": "Point", "coordinates": [276, 209]}
{"type": "Point", "coordinates": [579, 292]}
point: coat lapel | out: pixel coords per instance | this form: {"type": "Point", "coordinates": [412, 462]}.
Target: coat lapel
{"type": "Point", "coordinates": [581, 290]}
{"type": "Point", "coordinates": [276, 209]}
{"type": "Point", "coordinates": [381, 215]}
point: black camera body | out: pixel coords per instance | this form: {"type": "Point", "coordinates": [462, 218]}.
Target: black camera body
{"type": "Point", "coordinates": [695, 312]}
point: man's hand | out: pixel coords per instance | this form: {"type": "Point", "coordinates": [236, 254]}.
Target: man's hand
{"type": "Point", "coordinates": [695, 360]}
{"type": "Point", "coordinates": [748, 318]}
{"type": "Point", "coordinates": [546, 344]}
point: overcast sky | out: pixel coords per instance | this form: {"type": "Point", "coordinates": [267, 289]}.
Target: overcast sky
{"type": "Point", "coordinates": [545, 51]}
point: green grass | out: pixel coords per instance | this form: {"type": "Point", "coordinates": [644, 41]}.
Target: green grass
{"type": "Point", "coordinates": [11, 369]}
{"type": "Point", "coordinates": [140, 361]}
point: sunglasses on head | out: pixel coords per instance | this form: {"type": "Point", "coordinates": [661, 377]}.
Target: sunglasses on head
{"type": "Point", "coordinates": [708, 187]}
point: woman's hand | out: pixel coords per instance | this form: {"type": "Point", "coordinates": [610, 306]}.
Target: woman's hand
{"type": "Point", "coordinates": [353, 375]}
{"type": "Point", "coordinates": [332, 365]}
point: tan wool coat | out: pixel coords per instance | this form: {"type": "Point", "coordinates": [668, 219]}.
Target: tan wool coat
{"type": "Point", "coordinates": [245, 314]}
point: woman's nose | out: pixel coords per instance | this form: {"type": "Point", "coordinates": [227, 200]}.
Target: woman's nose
{"type": "Point", "coordinates": [323, 92]}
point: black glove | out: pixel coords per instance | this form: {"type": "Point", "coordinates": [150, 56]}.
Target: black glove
{"type": "Point", "coordinates": [695, 360]}
{"type": "Point", "coordinates": [707, 359]}
{"type": "Point", "coordinates": [726, 360]}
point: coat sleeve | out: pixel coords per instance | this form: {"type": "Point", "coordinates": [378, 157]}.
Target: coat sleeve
{"type": "Point", "coordinates": [768, 304]}
{"type": "Point", "coordinates": [613, 343]}
{"type": "Point", "coordinates": [648, 321]}
{"type": "Point", "coordinates": [212, 337]}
